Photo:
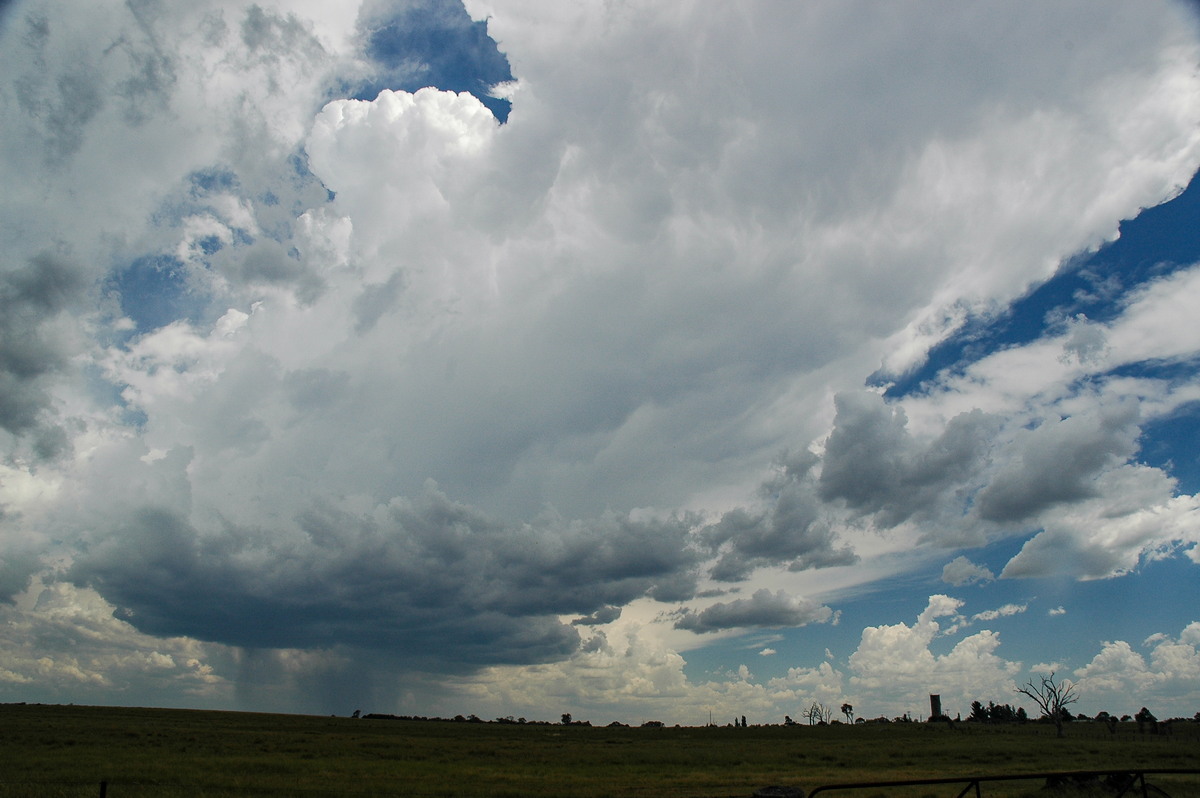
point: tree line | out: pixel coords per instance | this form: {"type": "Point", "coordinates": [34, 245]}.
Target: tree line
{"type": "Point", "coordinates": [1051, 695]}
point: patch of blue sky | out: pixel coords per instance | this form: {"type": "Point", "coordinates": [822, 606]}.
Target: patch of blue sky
{"type": "Point", "coordinates": [5, 5]}
{"type": "Point", "coordinates": [154, 292]}
{"type": "Point", "coordinates": [1170, 443]}
{"type": "Point", "coordinates": [302, 177]}
{"type": "Point", "coordinates": [213, 180]}
{"type": "Point", "coordinates": [1063, 623]}
{"type": "Point", "coordinates": [1065, 620]}
{"type": "Point", "coordinates": [435, 43]}
{"type": "Point", "coordinates": [210, 245]}
{"type": "Point", "coordinates": [1160, 597]}
{"type": "Point", "coordinates": [109, 394]}
{"type": "Point", "coordinates": [199, 186]}
{"type": "Point", "coordinates": [154, 288]}
{"type": "Point", "coordinates": [1157, 242]}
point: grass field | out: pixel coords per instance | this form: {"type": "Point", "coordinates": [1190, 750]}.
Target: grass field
{"type": "Point", "coordinates": [67, 751]}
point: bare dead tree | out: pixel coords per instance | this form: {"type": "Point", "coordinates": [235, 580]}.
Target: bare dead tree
{"type": "Point", "coordinates": [1052, 697]}
{"type": "Point", "coordinates": [818, 713]}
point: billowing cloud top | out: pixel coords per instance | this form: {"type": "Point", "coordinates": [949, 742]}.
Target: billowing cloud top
{"type": "Point", "coordinates": [299, 354]}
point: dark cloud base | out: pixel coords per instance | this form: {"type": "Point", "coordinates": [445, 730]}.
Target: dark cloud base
{"type": "Point", "coordinates": [436, 586]}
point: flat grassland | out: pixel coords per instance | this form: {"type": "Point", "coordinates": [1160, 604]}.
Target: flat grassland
{"type": "Point", "coordinates": [68, 750]}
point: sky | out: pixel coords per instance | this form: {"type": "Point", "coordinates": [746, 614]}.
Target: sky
{"type": "Point", "coordinates": [636, 360]}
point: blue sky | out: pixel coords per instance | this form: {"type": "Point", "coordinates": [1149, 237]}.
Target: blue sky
{"type": "Point", "coordinates": [520, 358]}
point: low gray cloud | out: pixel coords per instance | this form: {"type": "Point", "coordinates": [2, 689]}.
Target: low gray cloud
{"type": "Point", "coordinates": [599, 617]}
{"type": "Point", "coordinates": [34, 346]}
{"type": "Point", "coordinates": [961, 571]}
{"type": "Point", "coordinates": [59, 100]}
{"type": "Point", "coordinates": [267, 262]}
{"type": "Point", "coordinates": [17, 566]}
{"type": "Point", "coordinates": [789, 529]}
{"type": "Point", "coordinates": [763, 609]}
{"type": "Point", "coordinates": [432, 583]}
{"type": "Point", "coordinates": [974, 478]}
{"type": "Point", "coordinates": [1057, 462]}
{"type": "Point", "coordinates": [1063, 552]}
{"type": "Point", "coordinates": [873, 464]}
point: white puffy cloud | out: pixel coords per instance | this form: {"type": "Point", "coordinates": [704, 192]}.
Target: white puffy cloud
{"type": "Point", "coordinates": [896, 660]}
{"type": "Point", "coordinates": [1102, 540]}
{"type": "Point", "coordinates": [961, 571]}
{"type": "Point", "coordinates": [892, 672]}
{"type": "Point", "coordinates": [66, 644]}
{"type": "Point", "coordinates": [1164, 678]}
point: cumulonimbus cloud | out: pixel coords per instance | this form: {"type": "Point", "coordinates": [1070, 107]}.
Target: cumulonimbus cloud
{"type": "Point", "coordinates": [594, 326]}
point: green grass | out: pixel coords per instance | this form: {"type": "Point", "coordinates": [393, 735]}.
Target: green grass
{"type": "Point", "coordinates": [68, 751]}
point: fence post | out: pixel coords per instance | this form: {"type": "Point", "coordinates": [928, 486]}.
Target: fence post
{"type": "Point", "coordinates": [104, 789]}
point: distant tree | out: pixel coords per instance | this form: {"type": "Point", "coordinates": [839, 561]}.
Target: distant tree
{"type": "Point", "coordinates": [848, 711]}
{"type": "Point", "coordinates": [566, 718]}
{"type": "Point", "coordinates": [787, 720]}
{"type": "Point", "coordinates": [1022, 717]}
{"type": "Point", "coordinates": [818, 713]}
{"type": "Point", "coordinates": [979, 712]}
{"type": "Point", "coordinates": [1001, 713]}
{"type": "Point", "coordinates": [1052, 697]}
{"type": "Point", "coordinates": [1143, 717]}
{"type": "Point", "coordinates": [357, 713]}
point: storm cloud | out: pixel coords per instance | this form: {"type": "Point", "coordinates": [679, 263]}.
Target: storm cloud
{"type": "Point", "coordinates": [450, 339]}
{"type": "Point", "coordinates": [431, 582]}
{"type": "Point", "coordinates": [36, 344]}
